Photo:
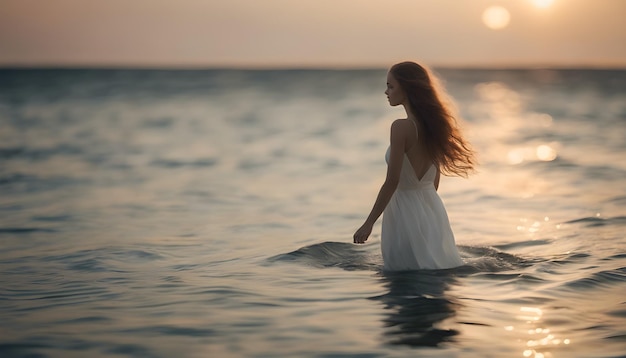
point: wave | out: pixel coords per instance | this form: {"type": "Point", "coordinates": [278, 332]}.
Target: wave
{"type": "Point", "coordinates": [173, 164]}
{"type": "Point", "coordinates": [332, 254]}
{"type": "Point", "coordinates": [354, 257]}
{"type": "Point", "coordinates": [593, 221]}
{"type": "Point", "coordinates": [27, 183]}
{"type": "Point", "coordinates": [491, 259]}
{"type": "Point", "coordinates": [24, 230]}
{"type": "Point", "coordinates": [603, 278]}
{"type": "Point", "coordinates": [39, 154]}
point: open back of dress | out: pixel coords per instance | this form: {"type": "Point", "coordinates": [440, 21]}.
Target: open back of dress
{"type": "Point", "coordinates": [416, 232]}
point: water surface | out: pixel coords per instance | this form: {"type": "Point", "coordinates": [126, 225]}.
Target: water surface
{"type": "Point", "coordinates": [151, 213]}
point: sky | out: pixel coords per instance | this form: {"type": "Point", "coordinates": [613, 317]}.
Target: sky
{"type": "Point", "coordinates": [312, 33]}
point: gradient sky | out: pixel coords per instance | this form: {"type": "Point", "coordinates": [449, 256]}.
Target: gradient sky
{"type": "Point", "coordinates": [340, 33]}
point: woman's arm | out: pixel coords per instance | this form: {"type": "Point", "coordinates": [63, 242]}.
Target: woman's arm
{"type": "Point", "coordinates": [396, 156]}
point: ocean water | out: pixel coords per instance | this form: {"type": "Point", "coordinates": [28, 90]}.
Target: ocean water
{"type": "Point", "coordinates": [209, 213]}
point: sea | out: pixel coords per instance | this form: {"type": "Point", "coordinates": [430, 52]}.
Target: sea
{"type": "Point", "coordinates": [210, 213]}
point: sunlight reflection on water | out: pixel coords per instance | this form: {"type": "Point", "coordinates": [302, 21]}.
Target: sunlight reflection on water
{"type": "Point", "coordinates": [537, 339]}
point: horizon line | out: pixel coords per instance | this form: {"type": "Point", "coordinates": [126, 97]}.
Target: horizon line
{"type": "Point", "coordinates": [306, 67]}
{"type": "Point", "coordinates": [314, 66]}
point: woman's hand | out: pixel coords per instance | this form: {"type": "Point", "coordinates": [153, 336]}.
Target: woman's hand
{"type": "Point", "coordinates": [361, 235]}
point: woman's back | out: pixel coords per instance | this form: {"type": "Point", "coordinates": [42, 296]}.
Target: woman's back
{"type": "Point", "coordinates": [416, 152]}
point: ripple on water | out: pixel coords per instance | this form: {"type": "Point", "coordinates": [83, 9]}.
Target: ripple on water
{"type": "Point", "coordinates": [39, 154]}
{"type": "Point", "coordinates": [331, 254]}
{"type": "Point", "coordinates": [526, 243]}
{"type": "Point", "coordinates": [490, 259]}
{"type": "Point", "coordinates": [175, 164]}
{"type": "Point", "coordinates": [601, 279]}
{"type": "Point", "coordinates": [24, 230]}
{"type": "Point", "coordinates": [169, 330]}
{"type": "Point", "coordinates": [352, 257]}
{"type": "Point", "coordinates": [593, 221]}
{"type": "Point", "coordinates": [26, 183]}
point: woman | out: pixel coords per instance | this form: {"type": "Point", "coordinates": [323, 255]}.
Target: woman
{"type": "Point", "coordinates": [416, 233]}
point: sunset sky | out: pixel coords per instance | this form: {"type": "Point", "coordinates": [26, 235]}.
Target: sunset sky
{"type": "Point", "coordinates": [306, 33]}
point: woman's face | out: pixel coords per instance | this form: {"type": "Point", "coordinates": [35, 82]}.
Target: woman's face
{"type": "Point", "coordinates": [395, 94]}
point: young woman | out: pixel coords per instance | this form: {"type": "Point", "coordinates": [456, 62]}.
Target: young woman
{"type": "Point", "coordinates": [416, 232]}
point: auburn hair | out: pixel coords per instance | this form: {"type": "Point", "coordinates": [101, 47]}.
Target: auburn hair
{"type": "Point", "coordinates": [439, 134]}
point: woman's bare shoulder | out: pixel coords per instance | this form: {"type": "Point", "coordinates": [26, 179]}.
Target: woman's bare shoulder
{"type": "Point", "coordinates": [399, 131]}
{"type": "Point", "coordinates": [401, 126]}
{"type": "Point", "coordinates": [400, 123]}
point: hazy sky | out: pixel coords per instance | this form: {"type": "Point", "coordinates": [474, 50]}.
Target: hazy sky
{"type": "Point", "coordinates": [311, 32]}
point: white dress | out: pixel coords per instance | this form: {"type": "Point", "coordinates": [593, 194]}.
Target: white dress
{"type": "Point", "coordinates": [416, 232]}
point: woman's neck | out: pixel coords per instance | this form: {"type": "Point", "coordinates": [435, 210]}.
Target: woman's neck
{"type": "Point", "coordinates": [409, 113]}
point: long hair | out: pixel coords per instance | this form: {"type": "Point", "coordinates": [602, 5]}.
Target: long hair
{"type": "Point", "coordinates": [439, 133]}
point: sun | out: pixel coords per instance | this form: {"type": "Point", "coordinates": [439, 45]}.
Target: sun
{"type": "Point", "coordinates": [496, 17]}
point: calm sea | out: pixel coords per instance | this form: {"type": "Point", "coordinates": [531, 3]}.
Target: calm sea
{"type": "Point", "coordinates": [209, 213]}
